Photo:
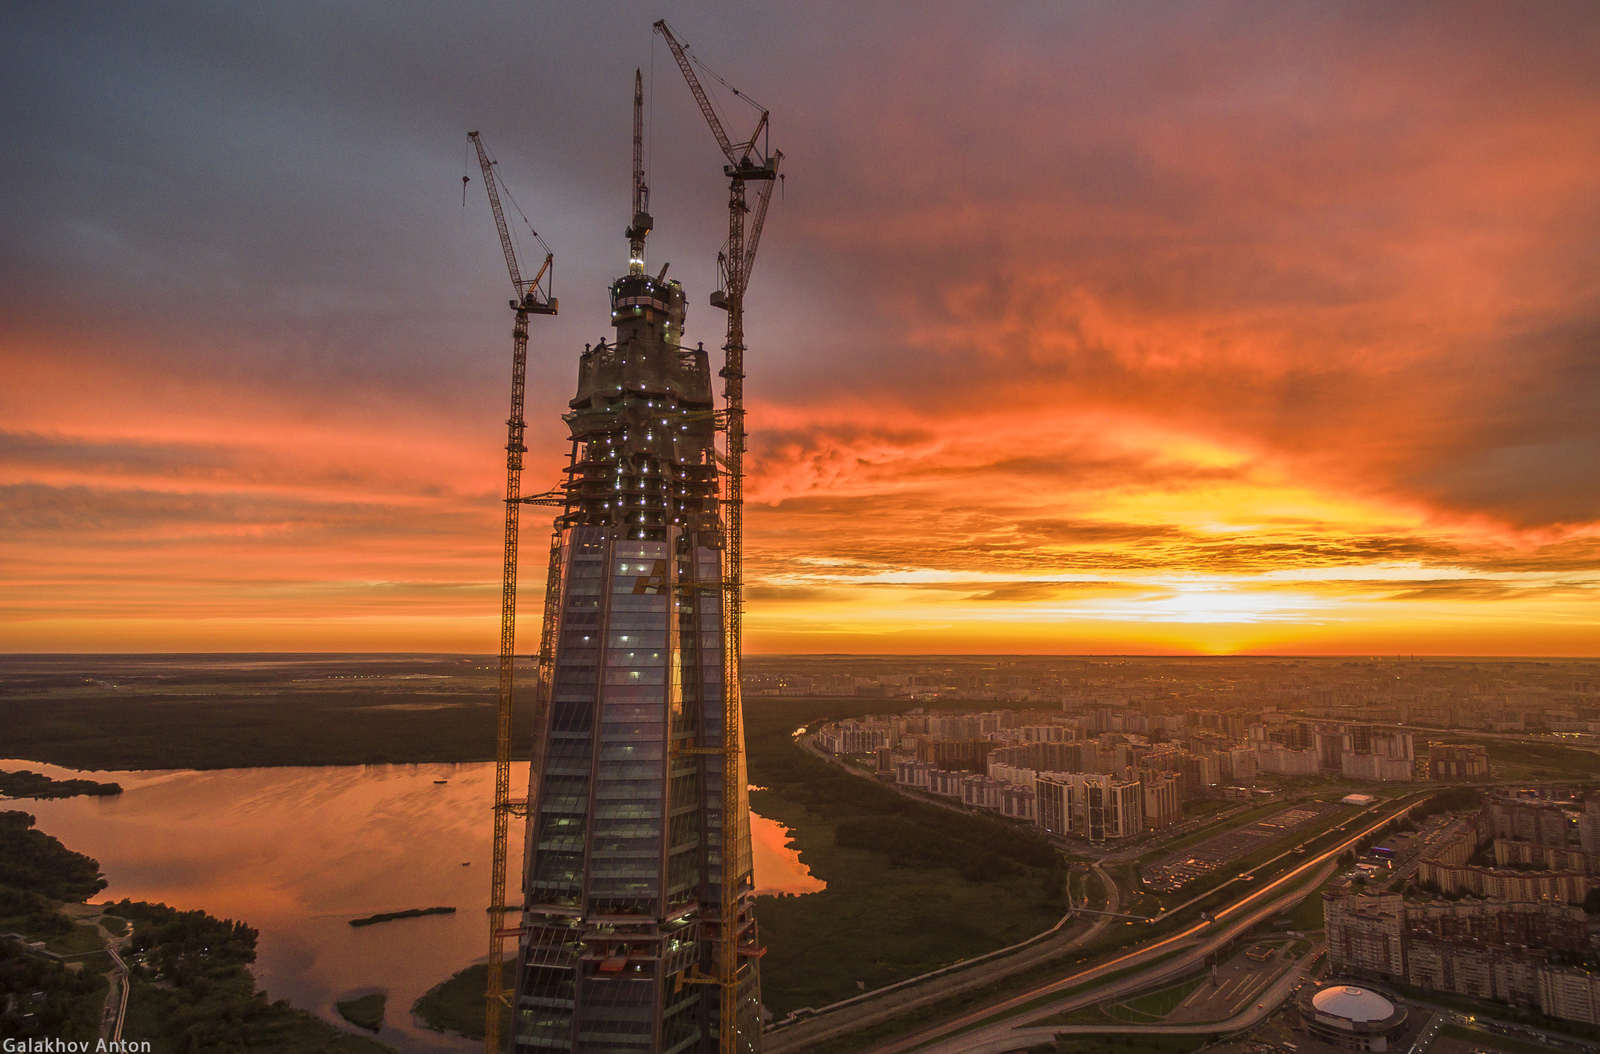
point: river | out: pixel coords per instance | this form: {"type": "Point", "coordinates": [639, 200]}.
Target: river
{"type": "Point", "coordinates": [298, 852]}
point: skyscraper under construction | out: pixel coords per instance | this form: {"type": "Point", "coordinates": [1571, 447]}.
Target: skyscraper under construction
{"type": "Point", "coordinates": [622, 889]}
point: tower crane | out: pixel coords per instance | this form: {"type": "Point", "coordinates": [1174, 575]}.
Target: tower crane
{"type": "Point", "coordinates": [748, 162]}
{"type": "Point", "coordinates": [639, 229]}
{"type": "Point", "coordinates": [532, 298]}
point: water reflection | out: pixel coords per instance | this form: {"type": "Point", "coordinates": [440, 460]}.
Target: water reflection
{"type": "Point", "coordinates": [298, 852]}
{"type": "Point", "coordinates": [777, 865]}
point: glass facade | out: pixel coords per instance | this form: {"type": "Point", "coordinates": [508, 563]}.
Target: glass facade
{"type": "Point", "coordinates": [623, 867]}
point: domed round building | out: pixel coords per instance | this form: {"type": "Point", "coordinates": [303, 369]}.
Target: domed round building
{"type": "Point", "coordinates": [1352, 1017]}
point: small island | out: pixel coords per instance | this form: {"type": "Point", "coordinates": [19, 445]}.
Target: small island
{"type": "Point", "coordinates": [27, 784]}
{"type": "Point", "coordinates": [412, 913]}
{"type": "Point", "coordinates": [364, 1012]}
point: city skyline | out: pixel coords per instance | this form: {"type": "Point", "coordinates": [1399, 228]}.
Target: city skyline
{"type": "Point", "coordinates": [1091, 332]}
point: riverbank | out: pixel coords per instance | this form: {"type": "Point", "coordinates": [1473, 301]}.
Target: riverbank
{"type": "Point", "coordinates": [910, 886]}
{"type": "Point", "coordinates": [299, 852]}
{"type": "Point", "coordinates": [190, 985]}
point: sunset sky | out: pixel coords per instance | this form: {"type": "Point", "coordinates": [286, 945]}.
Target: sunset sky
{"type": "Point", "coordinates": [1078, 327]}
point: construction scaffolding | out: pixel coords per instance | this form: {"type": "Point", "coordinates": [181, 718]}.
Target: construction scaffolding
{"type": "Point", "coordinates": [738, 944]}
{"type": "Point", "coordinates": [648, 540]}
{"type": "Point", "coordinates": [531, 299]}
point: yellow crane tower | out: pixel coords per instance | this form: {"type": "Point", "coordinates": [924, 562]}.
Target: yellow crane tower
{"type": "Point", "coordinates": [748, 162]}
{"type": "Point", "coordinates": [531, 299]}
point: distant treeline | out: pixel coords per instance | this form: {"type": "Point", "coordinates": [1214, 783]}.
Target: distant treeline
{"type": "Point", "coordinates": [294, 726]}
{"type": "Point", "coordinates": [409, 913]}
{"type": "Point", "coordinates": [27, 784]}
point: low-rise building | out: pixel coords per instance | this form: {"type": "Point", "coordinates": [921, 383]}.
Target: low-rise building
{"type": "Point", "coordinates": [1457, 761]}
{"type": "Point", "coordinates": [1447, 861]}
{"type": "Point", "coordinates": [969, 754]}
{"type": "Point", "coordinates": [1375, 768]}
{"type": "Point", "coordinates": [981, 792]}
{"type": "Point", "coordinates": [1544, 822]}
{"type": "Point", "coordinates": [1022, 777]}
{"type": "Point", "coordinates": [1017, 802]}
{"type": "Point", "coordinates": [912, 772]}
{"type": "Point", "coordinates": [1284, 761]}
{"type": "Point", "coordinates": [946, 782]}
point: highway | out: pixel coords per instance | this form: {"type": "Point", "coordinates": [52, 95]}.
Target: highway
{"type": "Point", "coordinates": [1205, 935]}
{"type": "Point", "coordinates": [1012, 1039]}
{"type": "Point", "coordinates": [868, 1009]}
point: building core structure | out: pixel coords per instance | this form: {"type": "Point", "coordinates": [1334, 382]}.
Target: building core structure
{"type": "Point", "coordinates": [623, 866]}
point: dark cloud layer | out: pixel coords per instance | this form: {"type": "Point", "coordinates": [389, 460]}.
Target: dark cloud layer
{"type": "Point", "coordinates": [1092, 291]}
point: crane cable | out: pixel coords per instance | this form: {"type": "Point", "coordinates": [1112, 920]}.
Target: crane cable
{"type": "Point", "coordinates": [494, 161]}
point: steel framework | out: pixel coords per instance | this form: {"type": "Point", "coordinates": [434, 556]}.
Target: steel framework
{"type": "Point", "coordinates": [745, 164]}
{"type": "Point", "coordinates": [531, 300]}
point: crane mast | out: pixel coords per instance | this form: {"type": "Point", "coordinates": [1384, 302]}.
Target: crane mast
{"type": "Point", "coordinates": [639, 229]}
{"type": "Point", "coordinates": [529, 300]}
{"type": "Point", "coordinates": [746, 164]}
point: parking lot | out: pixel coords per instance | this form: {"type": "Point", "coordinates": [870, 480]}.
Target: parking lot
{"type": "Point", "coordinates": [1174, 871]}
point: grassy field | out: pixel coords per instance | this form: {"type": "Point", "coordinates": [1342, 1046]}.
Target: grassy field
{"type": "Point", "coordinates": [1084, 1015]}
{"type": "Point", "coordinates": [1511, 760]}
{"type": "Point", "coordinates": [1307, 914]}
{"type": "Point", "coordinates": [928, 887]}
{"type": "Point", "coordinates": [1489, 1042]}
{"type": "Point", "coordinates": [1161, 1003]}
{"type": "Point", "coordinates": [1099, 982]}
{"type": "Point", "coordinates": [83, 938]}
{"type": "Point", "coordinates": [877, 923]}
{"type": "Point", "coordinates": [1540, 761]}
{"type": "Point", "coordinates": [1151, 1044]}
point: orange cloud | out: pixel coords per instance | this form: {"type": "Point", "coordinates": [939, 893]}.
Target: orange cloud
{"type": "Point", "coordinates": [1091, 330]}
